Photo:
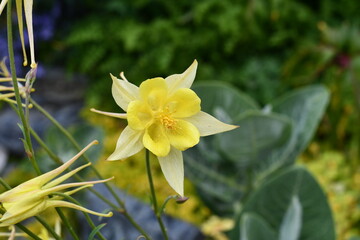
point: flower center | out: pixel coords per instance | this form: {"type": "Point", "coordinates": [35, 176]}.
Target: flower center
{"type": "Point", "coordinates": [167, 121]}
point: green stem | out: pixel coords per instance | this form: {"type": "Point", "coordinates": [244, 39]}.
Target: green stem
{"type": "Point", "coordinates": [57, 160]}
{"type": "Point", "coordinates": [76, 145]}
{"type": "Point", "coordinates": [153, 196]}
{"type": "Point", "coordinates": [162, 208]}
{"type": "Point", "coordinates": [28, 144]}
{"type": "Point", "coordinates": [67, 224]}
{"type": "Point", "coordinates": [27, 231]}
{"type": "Point", "coordinates": [88, 219]}
{"type": "Point", "coordinates": [5, 185]}
{"type": "Point", "coordinates": [47, 226]}
{"type": "Point", "coordinates": [51, 154]}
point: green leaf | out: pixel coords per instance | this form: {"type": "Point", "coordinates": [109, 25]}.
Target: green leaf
{"type": "Point", "coordinates": [223, 101]}
{"type": "Point", "coordinates": [305, 107]}
{"type": "Point", "coordinates": [95, 231]}
{"type": "Point", "coordinates": [216, 182]}
{"type": "Point", "coordinates": [291, 224]}
{"type": "Point", "coordinates": [272, 199]}
{"type": "Point", "coordinates": [253, 227]}
{"type": "Point", "coordinates": [261, 143]}
{"type": "Point", "coordinates": [252, 151]}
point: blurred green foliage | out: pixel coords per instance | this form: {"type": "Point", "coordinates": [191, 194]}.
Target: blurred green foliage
{"type": "Point", "coordinates": [242, 42]}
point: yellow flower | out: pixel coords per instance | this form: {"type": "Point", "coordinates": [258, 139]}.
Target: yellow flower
{"type": "Point", "coordinates": [28, 8]}
{"type": "Point", "coordinates": [164, 116]}
{"type": "Point", "coordinates": [34, 196]}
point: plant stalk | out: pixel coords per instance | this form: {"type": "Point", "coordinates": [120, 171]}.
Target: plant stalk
{"type": "Point", "coordinates": [25, 125]}
{"type": "Point", "coordinates": [153, 196]}
{"type": "Point", "coordinates": [66, 133]}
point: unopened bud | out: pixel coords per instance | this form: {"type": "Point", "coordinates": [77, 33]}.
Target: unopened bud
{"type": "Point", "coordinates": [181, 200]}
{"type": "Point", "coordinates": [31, 76]}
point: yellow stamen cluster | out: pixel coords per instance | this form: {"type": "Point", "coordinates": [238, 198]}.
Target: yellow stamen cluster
{"type": "Point", "coordinates": [167, 121]}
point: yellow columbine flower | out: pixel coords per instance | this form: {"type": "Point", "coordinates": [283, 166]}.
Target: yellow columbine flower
{"type": "Point", "coordinates": [34, 196]}
{"type": "Point", "coordinates": [165, 117]}
{"type": "Point", "coordinates": [28, 9]}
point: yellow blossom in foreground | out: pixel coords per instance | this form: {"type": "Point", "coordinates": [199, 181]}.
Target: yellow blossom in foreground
{"type": "Point", "coordinates": [28, 9]}
{"type": "Point", "coordinates": [34, 196]}
{"type": "Point", "coordinates": [165, 117]}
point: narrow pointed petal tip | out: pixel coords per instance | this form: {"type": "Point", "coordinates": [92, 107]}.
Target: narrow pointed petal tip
{"type": "Point", "coordinates": [172, 167]}
{"type": "Point", "coordinates": [183, 80]}
{"type": "Point", "coordinates": [110, 114]}
{"type": "Point", "coordinates": [128, 144]}
{"type": "Point", "coordinates": [123, 92]}
{"type": "Point", "coordinates": [209, 125]}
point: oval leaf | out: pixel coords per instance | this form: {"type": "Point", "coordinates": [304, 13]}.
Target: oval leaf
{"type": "Point", "coordinates": [305, 107]}
{"type": "Point", "coordinates": [222, 101]}
{"type": "Point", "coordinates": [253, 227]}
{"type": "Point", "coordinates": [271, 201]}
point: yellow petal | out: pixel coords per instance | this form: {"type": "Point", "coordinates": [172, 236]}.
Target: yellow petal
{"type": "Point", "coordinates": [183, 135]}
{"type": "Point", "coordinates": [19, 13]}
{"type": "Point", "coordinates": [123, 92]}
{"type": "Point", "coordinates": [183, 103]}
{"type": "Point", "coordinates": [61, 187]}
{"type": "Point", "coordinates": [139, 115]}
{"type": "Point", "coordinates": [172, 167]}
{"type": "Point", "coordinates": [58, 203]}
{"type": "Point", "coordinates": [21, 210]}
{"type": "Point", "coordinates": [156, 141]}
{"type": "Point", "coordinates": [184, 80]}
{"type": "Point", "coordinates": [28, 8]}
{"type": "Point", "coordinates": [37, 182]}
{"type": "Point", "coordinates": [64, 177]}
{"type": "Point", "coordinates": [128, 144]}
{"type": "Point", "coordinates": [154, 92]}
{"type": "Point", "coordinates": [2, 5]}
{"type": "Point", "coordinates": [208, 125]}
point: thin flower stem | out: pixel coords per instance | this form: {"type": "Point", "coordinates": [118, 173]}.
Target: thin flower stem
{"type": "Point", "coordinates": [57, 160]}
{"type": "Point", "coordinates": [153, 195]}
{"type": "Point", "coordinates": [52, 156]}
{"type": "Point", "coordinates": [26, 132]}
{"type": "Point", "coordinates": [47, 226]}
{"type": "Point", "coordinates": [122, 208]}
{"type": "Point", "coordinates": [27, 231]}
{"type": "Point", "coordinates": [76, 145]}
{"type": "Point", "coordinates": [67, 224]}
{"type": "Point", "coordinates": [88, 219]}
{"type": "Point", "coordinates": [162, 208]}
{"type": "Point", "coordinates": [5, 185]}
